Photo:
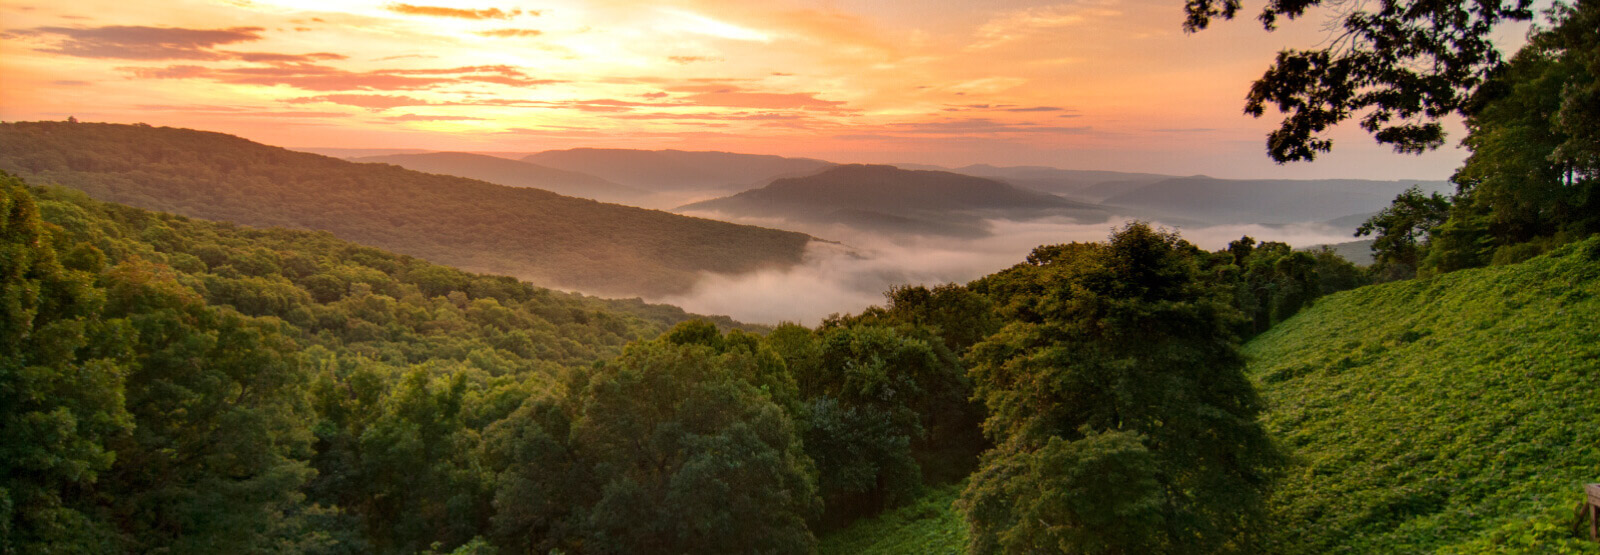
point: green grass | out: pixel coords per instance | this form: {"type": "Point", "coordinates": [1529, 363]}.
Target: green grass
{"type": "Point", "coordinates": [1454, 414]}
{"type": "Point", "coordinates": [928, 525]}
{"type": "Point", "coordinates": [1457, 414]}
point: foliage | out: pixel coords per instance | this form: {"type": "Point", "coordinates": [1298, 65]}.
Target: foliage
{"type": "Point", "coordinates": [1401, 232]}
{"type": "Point", "coordinates": [1403, 66]}
{"type": "Point", "coordinates": [1118, 364]}
{"type": "Point", "coordinates": [1530, 183]}
{"type": "Point", "coordinates": [179, 385]}
{"type": "Point", "coordinates": [927, 525]}
{"type": "Point", "coordinates": [881, 405]}
{"type": "Point", "coordinates": [529, 233]}
{"type": "Point", "coordinates": [1449, 414]}
{"type": "Point", "coordinates": [61, 391]}
{"type": "Point", "coordinates": [693, 457]}
{"type": "Point", "coordinates": [1269, 281]}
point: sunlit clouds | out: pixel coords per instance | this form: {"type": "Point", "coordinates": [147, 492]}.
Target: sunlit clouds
{"type": "Point", "coordinates": [1100, 84]}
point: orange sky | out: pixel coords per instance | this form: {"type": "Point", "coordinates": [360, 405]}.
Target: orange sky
{"type": "Point", "coordinates": [1092, 84]}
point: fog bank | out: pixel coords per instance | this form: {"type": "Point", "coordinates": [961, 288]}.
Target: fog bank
{"type": "Point", "coordinates": [853, 274]}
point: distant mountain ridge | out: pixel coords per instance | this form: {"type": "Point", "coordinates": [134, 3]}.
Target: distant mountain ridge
{"type": "Point", "coordinates": [1204, 200]}
{"type": "Point", "coordinates": [537, 235]}
{"type": "Point", "coordinates": [678, 170]}
{"type": "Point", "coordinates": [1227, 201]}
{"type": "Point", "coordinates": [891, 199]}
{"type": "Point", "coordinates": [511, 173]}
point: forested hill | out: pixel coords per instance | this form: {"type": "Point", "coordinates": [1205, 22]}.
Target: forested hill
{"type": "Point", "coordinates": [173, 385]}
{"type": "Point", "coordinates": [890, 199]}
{"type": "Point", "coordinates": [513, 173]}
{"type": "Point", "coordinates": [678, 170]}
{"type": "Point", "coordinates": [537, 235]}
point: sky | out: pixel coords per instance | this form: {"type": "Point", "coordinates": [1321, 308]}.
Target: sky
{"type": "Point", "coordinates": [1087, 84]}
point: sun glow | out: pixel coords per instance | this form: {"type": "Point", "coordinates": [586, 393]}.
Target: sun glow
{"type": "Point", "coordinates": [1036, 83]}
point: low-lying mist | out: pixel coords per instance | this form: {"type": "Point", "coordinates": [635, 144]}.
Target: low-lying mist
{"type": "Point", "coordinates": [850, 275]}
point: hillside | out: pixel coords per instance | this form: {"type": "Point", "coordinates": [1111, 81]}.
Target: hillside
{"type": "Point", "coordinates": [1457, 413]}
{"type": "Point", "coordinates": [1224, 201]}
{"type": "Point", "coordinates": [536, 235]}
{"type": "Point", "coordinates": [1085, 185]}
{"type": "Point", "coordinates": [511, 173]}
{"type": "Point", "coordinates": [677, 170]}
{"type": "Point", "coordinates": [893, 200]}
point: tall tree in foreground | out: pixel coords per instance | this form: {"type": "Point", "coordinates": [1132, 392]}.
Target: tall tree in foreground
{"type": "Point", "coordinates": [1530, 182]}
{"type": "Point", "coordinates": [1122, 419]}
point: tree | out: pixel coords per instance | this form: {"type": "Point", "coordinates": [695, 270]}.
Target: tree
{"type": "Point", "coordinates": [1529, 184]}
{"type": "Point", "coordinates": [1402, 231]}
{"type": "Point", "coordinates": [691, 456]}
{"type": "Point", "coordinates": [61, 388]}
{"type": "Point", "coordinates": [1118, 370]}
{"type": "Point", "coordinates": [1406, 64]}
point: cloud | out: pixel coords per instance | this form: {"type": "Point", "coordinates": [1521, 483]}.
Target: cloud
{"type": "Point", "coordinates": [848, 277]}
{"type": "Point", "coordinates": [132, 42]}
{"type": "Point", "coordinates": [313, 77]}
{"type": "Point", "coordinates": [1031, 22]}
{"type": "Point", "coordinates": [437, 11]}
{"type": "Point", "coordinates": [374, 102]}
{"type": "Point", "coordinates": [685, 60]}
{"type": "Point", "coordinates": [70, 83]}
{"type": "Point", "coordinates": [271, 57]}
{"type": "Point", "coordinates": [510, 33]}
{"type": "Point", "coordinates": [169, 72]}
{"type": "Point", "coordinates": [980, 126]}
{"type": "Point", "coordinates": [762, 100]}
{"type": "Point", "coordinates": [424, 117]}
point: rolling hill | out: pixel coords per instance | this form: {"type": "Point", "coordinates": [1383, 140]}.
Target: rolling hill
{"type": "Point", "coordinates": [511, 173]}
{"type": "Point", "coordinates": [887, 199]}
{"type": "Point", "coordinates": [1084, 185]}
{"type": "Point", "coordinates": [537, 235]}
{"type": "Point", "coordinates": [1456, 414]}
{"type": "Point", "coordinates": [677, 170]}
{"type": "Point", "coordinates": [1225, 201]}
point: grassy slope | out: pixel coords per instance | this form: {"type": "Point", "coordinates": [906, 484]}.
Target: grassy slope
{"type": "Point", "coordinates": [1454, 414]}
{"type": "Point", "coordinates": [1459, 413]}
{"type": "Point", "coordinates": [928, 526]}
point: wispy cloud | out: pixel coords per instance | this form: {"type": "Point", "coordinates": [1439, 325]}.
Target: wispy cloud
{"type": "Point", "coordinates": [132, 42]}
{"type": "Point", "coordinates": [439, 11]}
{"type": "Point", "coordinates": [509, 33]}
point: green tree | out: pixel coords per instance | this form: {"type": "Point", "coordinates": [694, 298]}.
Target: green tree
{"type": "Point", "coordinates": [692, 456]}
{"type": "Point", "coordinates": [217, 456]}
{"type": "Point", "coordinates": [61, 387]}
{"type": "Point", "coordinates": [1529, 184]}
{"type": "Point", "coordinates": [1118, 370]}
{"type": "Point", "coordinates": [1401, 231]}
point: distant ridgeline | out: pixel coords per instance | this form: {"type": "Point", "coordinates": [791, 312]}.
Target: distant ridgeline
{"type": "Point", "coordinates": [533, 234]}
{"type": "Point", "coordinates": [890, 200]}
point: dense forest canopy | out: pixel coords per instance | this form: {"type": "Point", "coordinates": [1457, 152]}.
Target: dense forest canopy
{"type": "Point", "coordinates": [171, 382]}
{"type": "Point", "coordinates": [536, 235]}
